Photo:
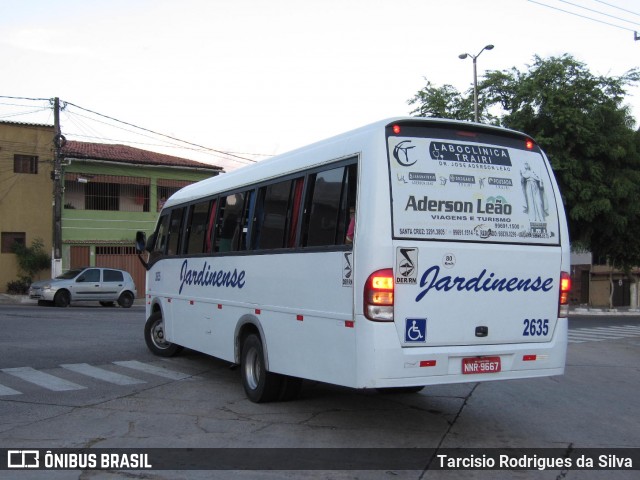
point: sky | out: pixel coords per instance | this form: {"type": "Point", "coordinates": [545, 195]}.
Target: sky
{"type": "Point", "coordinates": [262, 77]}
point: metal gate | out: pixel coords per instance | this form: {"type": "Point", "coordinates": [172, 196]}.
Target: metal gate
{"type": "Point", "coordinates": [79, 257]}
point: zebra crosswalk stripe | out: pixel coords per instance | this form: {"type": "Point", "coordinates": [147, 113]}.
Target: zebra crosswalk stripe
{"type": "Point", "coordinates": [102, 374]}
{"type": "Point", "coordinates": [598, 334]}
{"type": "Point", "coordinates": [152, 369]}
{"type": "Point", "coordinates": [44, 380]}
{"type": "Point", "coordinates": [8, 391]}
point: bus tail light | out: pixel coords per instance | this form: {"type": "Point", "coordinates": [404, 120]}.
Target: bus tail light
{"type": "Point", "coordinates": [565, 289]}
{"type": "Point", "coordinates": [378, 296]}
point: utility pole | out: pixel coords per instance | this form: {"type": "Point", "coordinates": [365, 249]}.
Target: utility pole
{"type": "Point", "coordinates": [56, 176]}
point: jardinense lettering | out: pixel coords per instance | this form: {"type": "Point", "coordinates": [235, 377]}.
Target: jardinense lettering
{"type": "Point", "coordinates": [482, 282]}
{"type": "Point", "coordinates": [206, 277]}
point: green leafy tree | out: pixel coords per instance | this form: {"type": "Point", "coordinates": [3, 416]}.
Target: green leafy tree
{"type": "Point", "coordinates": [442, 102]}
{"type": "Point", "coordinates": [580, 120]}
{"type": "Point", "coordinates": [31, 260]}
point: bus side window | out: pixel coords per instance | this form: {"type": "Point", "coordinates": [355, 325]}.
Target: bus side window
{"type": "Point", "coordinates": [175, 231]}
{"type": "Point", "coordinates": [228, 226]}
{"type": "Point", "coordinates": [348, 205]}
{"type": "Point", "coordinates": [208, 242]}
{"type": "Point", "coordinates": [322, 209]}
{"type": "Point", "coordinates": [196, 227]}
{"type": "Point", "coordinates": [271, 215]}
{"type": "Point", "coordinates": [162, 235]}
{"type": "Point", "coordinates": [293, 215]}
{"type": "Point", "coordinates": [248, 220]}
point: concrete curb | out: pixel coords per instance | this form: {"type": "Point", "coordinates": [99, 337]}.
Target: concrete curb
{"type": "Point", "coordinates": [6, 299]}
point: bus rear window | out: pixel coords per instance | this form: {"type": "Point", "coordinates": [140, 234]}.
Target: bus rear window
{"type": "Point", "coordinates": [477, 187]}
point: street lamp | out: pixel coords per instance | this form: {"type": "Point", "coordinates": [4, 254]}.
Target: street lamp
{"type": "Point", "coordinates": [475, 77]}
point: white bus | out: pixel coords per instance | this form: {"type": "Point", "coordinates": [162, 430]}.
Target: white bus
{"type": "Point", "coordinates": [455, 271]}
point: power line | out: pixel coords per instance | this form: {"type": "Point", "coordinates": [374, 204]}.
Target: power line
{"type": "Point", "coordinates": [619, 8]}
{"type": "Point", "coordinates": [220, 154]}
{"type": "Point", "coordinates": [74, 116]}
{"type": "Point", "coordinates": [162, 134]}
{"type": "Point", "coordinates": [598, 12]}
{"type": "Point", "coordinates": [582, 16]}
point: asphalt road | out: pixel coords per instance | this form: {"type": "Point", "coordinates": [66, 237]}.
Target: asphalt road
{"type": "Point", "coordinates": [111, 392]}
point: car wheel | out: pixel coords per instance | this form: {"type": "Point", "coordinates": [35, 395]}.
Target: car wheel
{"type": "Point", "coordinates": [125, 300]}
{"type": "Point", "coordinates": [259, 384]}
{"type": "Point", "coordinates": [62, 299]}
{"type": "Point", "coordinates": [155, 338]}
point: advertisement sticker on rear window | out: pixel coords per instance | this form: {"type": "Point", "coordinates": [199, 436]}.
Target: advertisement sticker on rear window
{"type": "Point", "coordinates": [471, 192]}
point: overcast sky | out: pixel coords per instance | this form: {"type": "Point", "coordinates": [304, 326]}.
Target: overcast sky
{"type": "Point", "coordinates": [266, 76]}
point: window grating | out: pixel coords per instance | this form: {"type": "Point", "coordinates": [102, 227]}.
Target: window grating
{"type": "Point", "coordinates": [106, 192]}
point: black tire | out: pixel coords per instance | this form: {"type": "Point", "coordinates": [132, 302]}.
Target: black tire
{"type": "Point", "coordinates": [400, 389]}
{"type": "Point", "coordinates": [62, 298]}
{"type": "Point", "coordinates": [106, 304]}
{"type": "Point", "coordinates": [154, 337]}
{"type": "Point", "coordinates": [260, 385]}
{"type": "Point", "coordinates": [126, 299]}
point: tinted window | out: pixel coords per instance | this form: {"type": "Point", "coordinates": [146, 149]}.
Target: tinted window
{"type": "Point", "coordinates": [323, 207]}
{"type": "Point", "coordinates": [271, 215]}
{"type": "Point", "coordinates": [230, 222]}
{"type": "Point", "coordinates": [113, 276]}
{"type": "Point", "coordinates": [197, 227]}
{"type": "Point", "coordinates": [175, 230]}
{"type": "Point", "coordinates": [68, 275]}
{"type": "Point", "coordinates": [90, 275]}
{"type": "Point", "coordinates": [162, 234]}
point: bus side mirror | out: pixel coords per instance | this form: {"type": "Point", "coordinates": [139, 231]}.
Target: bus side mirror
{"type": "Point", "coordinates": [141, 242]}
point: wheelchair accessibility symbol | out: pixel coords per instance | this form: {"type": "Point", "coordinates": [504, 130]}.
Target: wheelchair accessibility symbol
{"type": "Point", "coordinates": [415, 330]}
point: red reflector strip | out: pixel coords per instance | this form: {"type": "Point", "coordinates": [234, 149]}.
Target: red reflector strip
{"type": "Point", "coordinates": [191, 302]}
{"type": "Point", "coordinates": [349, 323]}
{"type": "Point", "coordinates": [300, 318]}
{"type": "Point", "coordinates": [257, 310]}
{"type": "Point", "coordinates": [168, 300]}
{"type": "Point", "coordinates": [219, 306]}
{"type": "Point", "coordinates": [427, 363]}
{"type": "Point", "coordinates": [529, 358]}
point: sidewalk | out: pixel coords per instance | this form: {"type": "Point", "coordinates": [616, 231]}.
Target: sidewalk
{"type": "Point", "coordinates": [24, 299]}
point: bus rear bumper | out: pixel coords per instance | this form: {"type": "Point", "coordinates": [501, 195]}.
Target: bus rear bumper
{"type": "Point", "coordinates": [395, 366]}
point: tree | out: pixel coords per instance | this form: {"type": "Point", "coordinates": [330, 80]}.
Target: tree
{"type": "Point", "coordinates": [31, 261]}
{"type": "Point", "coordinates": [580, 120]}
{"type": "Point", "coordinates": [442, 102]}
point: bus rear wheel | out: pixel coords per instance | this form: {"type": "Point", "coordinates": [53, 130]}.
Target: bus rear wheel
{"type": "Point", "coordinates": [155, 338]}
{"type": "Point", "coordinates": [260, 385]}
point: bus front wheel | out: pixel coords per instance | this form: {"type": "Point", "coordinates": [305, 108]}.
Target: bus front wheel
{"type": "Point", "coordinates": [155, 338]}
{"type": "Point", "coordinates": [259, 384]}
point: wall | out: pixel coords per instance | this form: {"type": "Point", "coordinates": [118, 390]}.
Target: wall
{"type": "Point", "coordinates": [25, 199]}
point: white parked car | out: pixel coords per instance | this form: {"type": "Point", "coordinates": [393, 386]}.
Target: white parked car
{"type": "Point", "coordinates": [105, 285]}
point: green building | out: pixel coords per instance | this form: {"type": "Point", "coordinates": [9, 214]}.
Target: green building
{"type": "Point", "coordinates": [110, 193]}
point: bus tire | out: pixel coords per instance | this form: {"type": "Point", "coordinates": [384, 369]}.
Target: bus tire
{"type": "Point", "coordinates": [260, 385]}
{"type": "Point", "coordinates": [62, 298]}
{"type": "Point", "coordinates": [155, 339]}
